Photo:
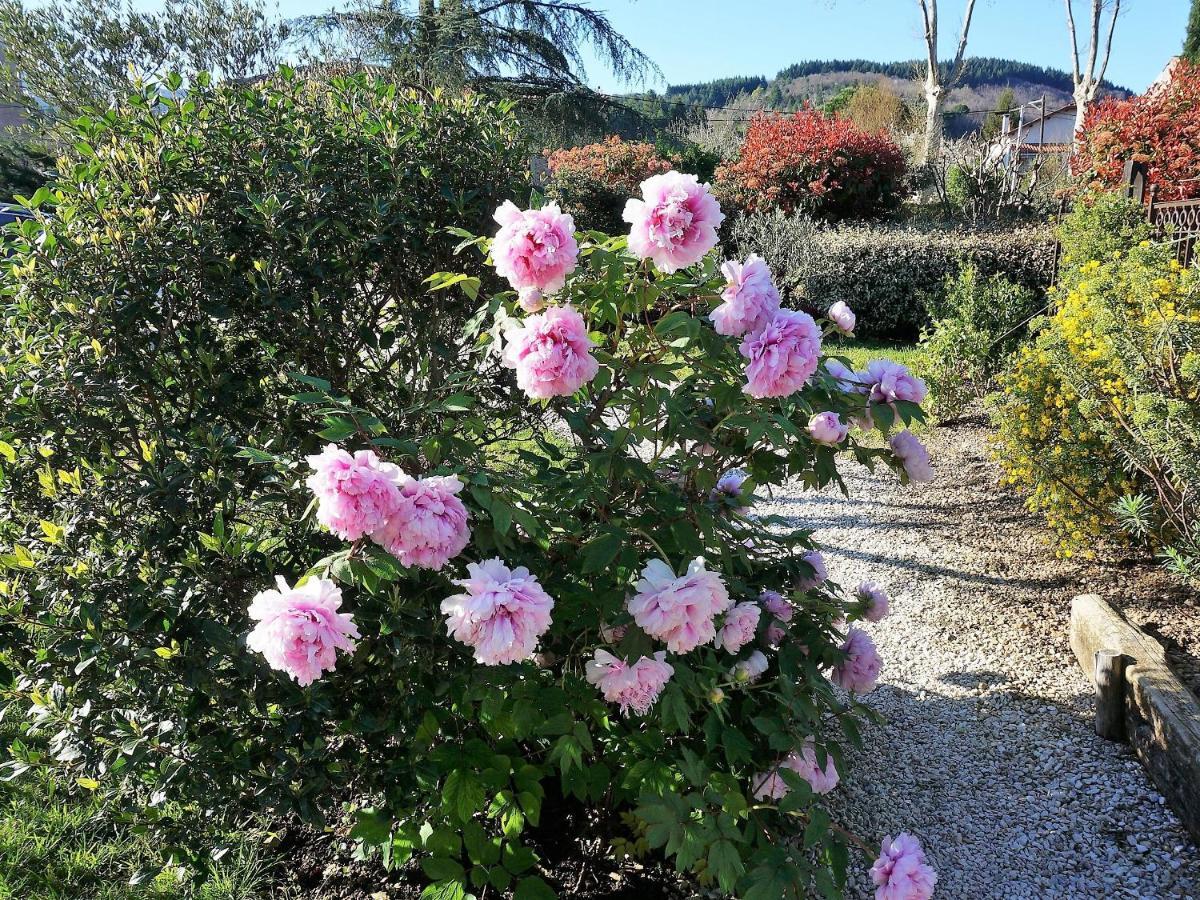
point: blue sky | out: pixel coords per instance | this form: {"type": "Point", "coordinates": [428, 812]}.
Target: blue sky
{"type": "Point", "coordinates": [697, 40]}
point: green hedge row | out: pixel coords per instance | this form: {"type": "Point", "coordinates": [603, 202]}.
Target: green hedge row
{"type": "Point", "coordinates": [888, 273]}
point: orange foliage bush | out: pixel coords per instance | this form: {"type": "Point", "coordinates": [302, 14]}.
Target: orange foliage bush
{"type": "Point", "coordinates": [807, 161]}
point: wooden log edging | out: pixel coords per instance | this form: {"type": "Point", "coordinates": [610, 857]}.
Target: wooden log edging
{"type": "Point", "coordinates": [1161, 716]}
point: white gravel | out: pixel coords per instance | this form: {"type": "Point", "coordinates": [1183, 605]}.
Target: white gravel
{"type": "Point", "coordinates": [987, 753]}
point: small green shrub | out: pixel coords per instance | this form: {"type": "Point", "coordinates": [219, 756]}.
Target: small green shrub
{"type": "Point", "coordinates": [977, 323]}
{"type": "Point", "coordinates": [887, 274]}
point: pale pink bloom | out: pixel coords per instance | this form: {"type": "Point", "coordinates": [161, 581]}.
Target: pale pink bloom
{"type": "Point", "coordinates": [775, 634]}
{"type": "Point", "coordinates": [675, 223]}
{"type": "Point", "coordinates": [827, 428]}
{"type": "Point", "coordinates": [847, 379]}
{"type": "Point", "coordinates": [820, 574]}
{"type": "Point", "coordinates": [805, 764]}
{"type": "Point", "coordinates": [355, 494]}
{"type": "Point", "coordinates": [535, 250]}
{"type": "Point", "coordinates": [782, 355]}
{"type": "Point", "coordinates": [299, 629]}
{"type": "Point", "coordinates": [774, 603]}
{"type": "Point", "coordinates": [751, 668]}
{"type": "Point", "coordinates": [501, 613]}
{"type": "Point", "coordinates": [632, 687]}
{"type": "Point", "coordinates": [860, 670]}
{"type": "Point", "coordinates": [912, 454]}
{"type": "Point", "coordinates": [750, 297]}
{"type": "Point", "coordinates": [822, 780]}
{"type": "Point", "coordinates": [730, 485]}
{"type": "Point", "coordinates": [874, 600]}
{"type": "Point", "coordinates": [551, 352]}
{"type": "Point", "coordinates": [887, 381]}
{"type": "Point", "coordinates": [679, 610]}
{"type": "Point", "coordinates": [429, 527]}
{"type": "Point", "coordinates": [902, 871]}
{"type": "Point", "coordinates": [739, 626]}
{"type": "Point", "coordinates": [842, 317]}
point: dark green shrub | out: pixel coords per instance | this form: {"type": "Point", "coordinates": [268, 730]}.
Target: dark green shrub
{"type": "Point", "coordinates": [977, 323]}
{"type": "Point", "coordinates": [193, 260]}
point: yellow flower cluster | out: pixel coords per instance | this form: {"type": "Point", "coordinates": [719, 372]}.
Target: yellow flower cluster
{"type": "Point", "coordinates": [1117, 335]}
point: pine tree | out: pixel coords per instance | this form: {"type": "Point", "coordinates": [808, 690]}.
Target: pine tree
{"type": "Point", "coordinates": [991, 125]}
{"type": "Point", "coordinates": [1191, 41]}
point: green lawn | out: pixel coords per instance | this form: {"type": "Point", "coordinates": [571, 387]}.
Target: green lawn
{"type": "Point", "coordinates": [861, 352]}
{"type": "Point", "coordinates": [56, 845]}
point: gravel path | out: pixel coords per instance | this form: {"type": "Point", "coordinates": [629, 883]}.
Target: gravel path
{"type": "Point", "coordinates": [987, 752]}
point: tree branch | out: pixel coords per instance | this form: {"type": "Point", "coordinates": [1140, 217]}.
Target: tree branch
{"type": "Point", "coordinates": [1112, 26]}
{"type": "Point", "coordinates": [1074, 44]}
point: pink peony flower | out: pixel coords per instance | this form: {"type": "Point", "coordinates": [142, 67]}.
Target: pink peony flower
{"type": "Point", "coordinates": [730, 485]}
{"type": "Point", "coordinates": [429, 527]}
{"type": "Point", "coordinates": [739, 626]}
{"type": "Point", "coordinates": [782, 355]}
{"type": "Point", "coordinates": [355, 494]}
{"type": "Point", "coordinates": [750, 297]}
{"type": "Point", "coordinates": [874, 600]}
{"type": "Point", "coordinates": [847, 379]}
{"type": "Point", "coordinates": [551, 352]}
{"type": "Point", "coordinates": [675, 223]}
{"type": "Point", "coordinates": [775, 634]}
{"type": "Point", "coordinates": [751, 668]}
{"type": "Point", "coordinates": [300, 630]}
{"type": "Point", "coordinates": [679, 610]}
{"type": "Point", "coordinates": [902, 872]}
{"type": "Point", "coordinates": [774, 603]}
{"type": "Point", "coordinates": [820, 574]}
{"type": "Point", "coordinates": [501, 613]}
{"type": "Point", "coordinates": [912, 454]}
{"type": "Point", "coordinates": [771, 785]}
{"type": "Point", "coordinates": [860, 670]}
{"type": "Point", "coordinates": [887, 381]}
{"type": "Point", "coordinates": [535, 250]}
{"type": "Point", "coordinates": [633, 687]}
{"type": "Point", "coordinates": [842, 317]}
{"type": "Point", "coordinates": [827, 428]}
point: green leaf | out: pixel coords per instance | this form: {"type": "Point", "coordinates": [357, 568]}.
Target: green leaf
{"type": "Point", "coordinates": [462, 795]}
{"type": "Point", "coordinates": [337, 429]}
{"type": "Point", "coordinates": [533, 888]}
{"type": "Point", "coordinates": [439, 868]}
{"type": "Point", "coordinates": [600, 551]}
{"type": "Point", "coordinates": [372, 827]}
{"type": "Point", "coordinates": [725, 862]}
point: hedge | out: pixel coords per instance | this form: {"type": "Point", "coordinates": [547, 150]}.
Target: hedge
{"type": "Point", "coordinates": [887, 273]}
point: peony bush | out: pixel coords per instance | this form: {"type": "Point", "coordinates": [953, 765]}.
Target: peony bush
{"type": "Point", "coordinates": [524, 601]}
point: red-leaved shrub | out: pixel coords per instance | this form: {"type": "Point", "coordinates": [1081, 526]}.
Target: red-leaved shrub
{"type": "Point", "coordinates": [594, 181]}
{"type": "Point", "coordinates": [807, 161]}
{"type": "Point", "coordinates": [1160, 128]}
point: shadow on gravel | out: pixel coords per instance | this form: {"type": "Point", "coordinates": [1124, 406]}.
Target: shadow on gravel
{"type": "Point", "coordinates": [886, 558]}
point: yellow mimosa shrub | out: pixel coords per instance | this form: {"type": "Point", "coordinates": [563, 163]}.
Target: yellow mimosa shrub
{"type": "Point", "coordinates": [1102, 405]}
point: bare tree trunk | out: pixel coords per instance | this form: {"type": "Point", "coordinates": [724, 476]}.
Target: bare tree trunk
{"type": "Point", "coordinates": [935, 89]}
{"type": "Point", "coordinates": [1087, 78]}
{"type": "Point", "coordinates": [933, 119]}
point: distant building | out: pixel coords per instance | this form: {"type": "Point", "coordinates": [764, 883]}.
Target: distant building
{"type": "Point", "coordinates": [1032, 133]}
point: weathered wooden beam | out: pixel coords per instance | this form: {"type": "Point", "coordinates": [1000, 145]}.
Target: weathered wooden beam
{"type": "Point", "coordinates": [1162, 717]}
{"type": "Point", "coordinates": [1109, 677]}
